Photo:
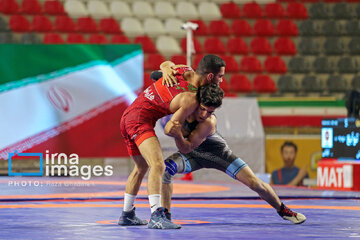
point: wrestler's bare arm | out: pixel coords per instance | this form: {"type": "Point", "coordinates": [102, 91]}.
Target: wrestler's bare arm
{"type": "Point", "coordinates": [182, 106]}
{"type": "Point", "coordinates": [197, 136]}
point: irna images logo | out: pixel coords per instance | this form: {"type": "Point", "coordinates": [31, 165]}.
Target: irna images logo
{"type": "Point", "coordinates": [60, 164]}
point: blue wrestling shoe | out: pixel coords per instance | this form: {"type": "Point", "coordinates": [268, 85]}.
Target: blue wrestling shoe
{"type": "Point", "coordinates": [129, 219]}
{"type": "Point", "coordinates": [287, 214]}
{"type": "Point", "coordinates": [158, 220]}
{"type": "Point", "coordinates": [167, 214]}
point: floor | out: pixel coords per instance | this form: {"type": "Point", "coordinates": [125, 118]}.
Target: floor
{"type": "Point", "coordinates": [62, 208]}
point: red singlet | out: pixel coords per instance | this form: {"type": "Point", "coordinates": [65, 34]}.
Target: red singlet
{"type": "Point", "coordinates": [139, 119]}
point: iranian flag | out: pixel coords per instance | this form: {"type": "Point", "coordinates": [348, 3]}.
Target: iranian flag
{"type": "Point", "coordinates": [66, 98]}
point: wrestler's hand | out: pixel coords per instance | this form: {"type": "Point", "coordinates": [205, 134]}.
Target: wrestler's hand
{"type": "Point", "coordinates": [169, 78]}
{"type": "Point", "coordinates": [174, 129]}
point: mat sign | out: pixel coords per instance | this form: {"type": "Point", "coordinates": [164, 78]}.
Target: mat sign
{"type": "Point", "coordinates": [338, 175]}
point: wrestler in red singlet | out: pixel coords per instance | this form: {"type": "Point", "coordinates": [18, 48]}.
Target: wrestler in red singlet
{"type": "Point", "coordinates": [139, 119]}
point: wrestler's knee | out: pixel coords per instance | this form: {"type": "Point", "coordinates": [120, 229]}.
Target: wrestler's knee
{"type": "Point", "coordinates": [158, 166]}
{"type": "Point", "coordinates": [142, 169]}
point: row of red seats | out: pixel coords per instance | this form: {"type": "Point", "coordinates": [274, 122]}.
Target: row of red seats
{"type": "Point", "coordinates": [237, 45]}
{"type": "Point", "coordinates": [55, 38]}
{"type": "Point", "coordinates": [239, 83]}
{"type": "Point", "coordinates": [326, 1]}
{"type": "Point", "coordinates": [248, 64]}
{"type": "Point", "coordinates": [241, 27]}
{"type": "Point", "coordinates": [295, 10]}
{"type": "Point", "coordinates": [51, 7]}
{"type": "Point", "coordinates": [41, 23]}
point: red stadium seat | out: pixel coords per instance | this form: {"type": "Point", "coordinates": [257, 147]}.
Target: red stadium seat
{"type": "Point", "coordinates": [87, 25]}
{"type": "Point", "coordinates": [98, 39]}
{"type": "Point", "coordinates": [31, 7]}
{"type": "Point", "coordinates": [19, 23]}
{"type": "Point", "coordinates": [264, 84]}
{"type": "Point", "coordinates": [296, 10]}
{"type": "Point", "coordinates": [260, 45]}
{"type": "Point", "coordinates": [214, 45]}
{"type": "Point", "coordinates": [147, 80]}
{"type": "Point", "coordinates": [274, 10]}
{"type": "Point", "coordinates": [178, 59]}
{"type": "Point", "coordinates": [75, 38]}
{"type": "Point", "coordinates": [41, 23]}
{"type": "Point", "coordinates": [284, 46]}
{"type": "Point", "coordinates": [54, 7]}
{"type": "Point", "coordinates": [237, 46]}
{"type": "Point", "coordinates": [109, 25]}
{"type": "Point", "coordinates": [286, 27]}
{"type": "Point", "coordinates": [240, 83]}
{"type": "Point", "coordinates": [241, 28]}
{"type": "Point", "coordinates": [118, 38]}
{"type": "Point", "coordinates": [146, 43]}
{"type": "Point", "coordinates": [64, 24]}
{"type": "Point", "coordinates": [252, 10]}
{"type": "Point", "coordinates": [202, 27]}
{"type": "Point", "coordinates": [196, 60]}
{"type": "Point", "coordinates": [250, 64]}
{"type": "Point", "coordinates": [53, 38]}
{"type": "Point", "coordinates": [153, 61]}
{"type": "Point", "coordinates": [9, 7]}
{"type": "Point", "coordinates": [231, 64]}
{"type": "Point", "coordinates": [264, 27]}
{"type": "Point", "coordinates": [230, 10]}
{"type": "Point", "coordinates": [224, 85]}
{"type": "Point", "coordinates": [275, 64]}
{"type": "Point", "coordinates": [219, 27]}
{"type": "Point", "coordinates": [197, 45]}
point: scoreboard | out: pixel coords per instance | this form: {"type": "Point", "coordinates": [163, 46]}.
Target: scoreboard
{"type": "Point", "coordinates": [340, 138]}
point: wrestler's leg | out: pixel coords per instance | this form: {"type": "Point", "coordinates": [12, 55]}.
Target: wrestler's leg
{"type": "Point", "coordinates": [264, 190]}
{"type": "Point", "coordinates": [128, 216]}
{"type": "Point", "coordinates": [151, 151]}
{"type": "Point", "coordinates": [174, 164]}
{"type": "Point", "coordinates": [136, 176]}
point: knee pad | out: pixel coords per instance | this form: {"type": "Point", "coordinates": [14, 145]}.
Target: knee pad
{"type": "Point", "coordinates": [173, 164]}
{"type": "Point", "coordinates": [171, 167]}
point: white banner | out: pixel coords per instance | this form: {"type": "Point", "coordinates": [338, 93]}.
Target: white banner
{"type": "Point", "coordinates": [239, 122]}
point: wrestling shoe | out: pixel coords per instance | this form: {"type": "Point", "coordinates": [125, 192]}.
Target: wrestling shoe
{"type": "Point", "coordinates": [287, 214]}
{"type": "Point", "coordinates": [167, 214]}
{"type": "Point", "coordinates": [158, 220]}
{"type": "Point", "coordinates": [129, 219]}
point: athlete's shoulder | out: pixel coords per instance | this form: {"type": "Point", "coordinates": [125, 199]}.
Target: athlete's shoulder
{"type": "Point", "coordinates": [211, 121]}
{"type": "Point", "coordinates": [187, 98]}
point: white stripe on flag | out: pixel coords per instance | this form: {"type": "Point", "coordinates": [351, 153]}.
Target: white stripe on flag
{"type": "Point", "coordinates": [36, 108]}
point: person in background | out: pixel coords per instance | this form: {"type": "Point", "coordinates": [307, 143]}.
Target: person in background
{"type": "Point", "coordinates": [289, 174]}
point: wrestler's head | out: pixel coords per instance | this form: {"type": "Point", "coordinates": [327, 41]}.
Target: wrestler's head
{"type": "Point", "coordinates": [212, 68]}
{"type": "Point", "coordinates": [209, 98]}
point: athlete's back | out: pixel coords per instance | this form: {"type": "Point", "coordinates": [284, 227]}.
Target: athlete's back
{"type": "Point", "coordinates": [154, 102]}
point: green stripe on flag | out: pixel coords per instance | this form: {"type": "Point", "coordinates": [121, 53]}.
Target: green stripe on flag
{"type": "Point", "coordinates": [19, 61]}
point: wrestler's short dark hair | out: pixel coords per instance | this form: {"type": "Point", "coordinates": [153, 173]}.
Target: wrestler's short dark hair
{"type": "Point", "coordinates": [288, 144]}
{"type": "Point", "coordinates": [210, 64]}
{"type": "Point", "coordinates": [210, 95]}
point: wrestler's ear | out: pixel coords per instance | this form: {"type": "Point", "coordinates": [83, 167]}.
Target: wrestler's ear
{"type": "Point", "coordinates": [210, 77]}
